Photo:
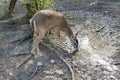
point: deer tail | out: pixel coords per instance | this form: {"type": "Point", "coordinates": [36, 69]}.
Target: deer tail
{"type": "Point", "coordinates": [33, 24]}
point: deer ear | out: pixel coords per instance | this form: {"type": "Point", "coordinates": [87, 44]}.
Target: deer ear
{"type": "Point", "coordinates": [76, 34]}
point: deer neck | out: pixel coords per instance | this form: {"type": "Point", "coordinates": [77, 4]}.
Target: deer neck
{"type": "Point", "coordinates": [68, 32]}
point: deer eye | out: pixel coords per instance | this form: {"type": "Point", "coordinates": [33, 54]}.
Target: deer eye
{"type": "Point", "coordinates": [76, 42]}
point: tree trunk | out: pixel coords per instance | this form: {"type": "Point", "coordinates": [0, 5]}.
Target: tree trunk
{"type": "Point", "coordinates": [11, 6]}
{"type": "Point", "coordinates": [10, 10]}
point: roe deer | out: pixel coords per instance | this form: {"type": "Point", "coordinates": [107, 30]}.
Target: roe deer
{"type": "Point", "coordinates": [43, 21]}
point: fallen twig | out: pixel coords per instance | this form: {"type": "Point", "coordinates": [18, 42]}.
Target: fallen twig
{"type": "Point", "coordinates": [96, 32]}
{"type": "Point", "coordinates": [100, 29]}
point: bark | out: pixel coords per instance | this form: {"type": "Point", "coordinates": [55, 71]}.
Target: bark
{"type": "Point", "coordinates": [11, 6]}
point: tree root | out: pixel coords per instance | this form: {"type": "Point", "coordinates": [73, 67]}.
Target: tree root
{"type": "Point", "coordinates": [24, 61]}
{"type": "Point", "coordinates": [69, 67]}
{"type": "Point", "coordinates": [65, 62]}
{"type": "Point", "coordinates": [58, 55]}
{"type": "Point", "coordinates": [34, 72]}
{"type": "Point", "coordinates": [28, 36]}
{"type": "Point", "coordinates": [19, 54]}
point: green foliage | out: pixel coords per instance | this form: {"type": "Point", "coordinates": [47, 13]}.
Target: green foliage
{"type": "Point", "coordinates": [34, 6]}
{"type": "Point", "coordinates": [93, 4]}
{"type": "Point", "coordinates": [3, 5]}
{"type": "Point", "coordinates": [2, 35]}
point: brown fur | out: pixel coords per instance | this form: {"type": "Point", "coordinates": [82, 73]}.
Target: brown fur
{"type": "Point", "coordinates": [44, 20]}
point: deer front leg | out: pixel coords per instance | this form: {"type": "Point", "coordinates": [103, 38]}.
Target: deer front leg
{"type": "Point", "coordinates": [35, 47]}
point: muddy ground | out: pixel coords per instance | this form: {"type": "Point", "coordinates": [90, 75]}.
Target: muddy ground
{"type": "Point", "coordinates": [98, 57]}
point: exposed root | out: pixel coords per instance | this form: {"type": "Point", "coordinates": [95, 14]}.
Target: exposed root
{"type": "Point", "coordinates": [65, 62]}
{"type": "Point", "coordinates": [34, 72]}
{"type": "Point", "coordinates": [24, 61]}
{"type": "Point", "coordinates": [68, 66]}
{"type": "Point", "coordinates": [29, 36]}
{"type": "Point", "coordinates": [19, 54]}
{"type": "Point", "coordinates": [17, 40]}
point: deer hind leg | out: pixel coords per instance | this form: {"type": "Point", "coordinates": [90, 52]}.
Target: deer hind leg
{"type": "Point", "coordinates": [38, 36]}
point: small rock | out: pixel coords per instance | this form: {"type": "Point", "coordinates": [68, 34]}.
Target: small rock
{"type": "Point", "coordinates": [60, 72]}
{"type": "Point", "coordinates": [10, 73]}
{"type": "Point", "coordinates": [48, 72]}
{"type": "Point", "coordinates": [74, 63]}
{"type": "Point", "coordinates": [40, 64]}
{"type": "Point", "coordinates": [52, 61]}
{"type": "Point", "coordinates": [106, 11]}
